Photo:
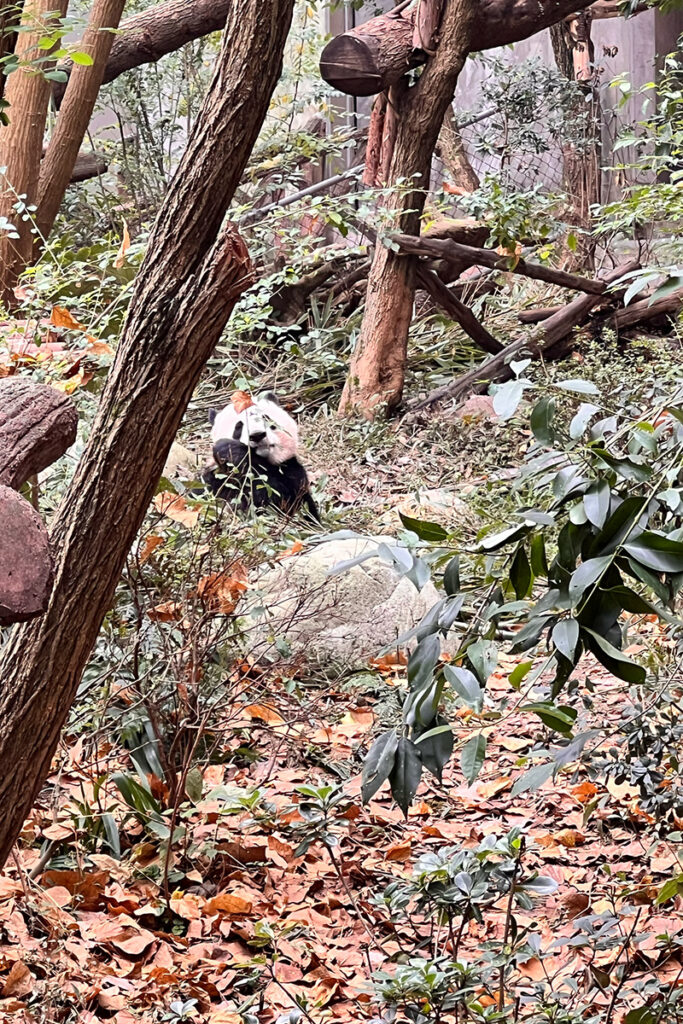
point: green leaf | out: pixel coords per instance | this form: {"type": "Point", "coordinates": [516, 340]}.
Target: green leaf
{"type": "Point", "coordinates": [84, 59]}
{"type": "Point", "coordinates": [466, 685]}
{"type": "Point", "coordinates": [623, 523]}
{"type": "Point", "coordinates": [565, 636]}
{"type": "Point", "coordinates": [111, 830]}
{"type": "Point", "coordinates": [194, 785]}
{"type": "Point", "coordinates": [596, 503]}
{"type": "Point", "coordinates": [671, 888]}
{"type": "Point", "coordinates": [617, 663]}
{"type": "Point", "coordinates": [642, 1015]}
{"type": "Point", "coordinates": [520, 574]}
{"type": "Point", "coordinates": [483, 658]}
{"type": "Point", "coordinates": [561, 719]}
{"type": "Point", "coordinates": [451, 577]}
{"type": "Point", "coordinates": [379, 764]}
{"type": "Point", "coordinates": [493, 541]}
{"type": "Point", "coordinates": [537, 557]}
{"type": "Point", "coordinates": [586, 575]}
{"type": "Point", "coordinates": [541, 421]}
{"type": "Point", "coordinates": [422, 662]}
{"type": "Point", "coordinates": [581, 419]}
{"type": "Point", "coordinates": [507, 398]}
{"type": "Point", "coordinates": [657, 551]}
{"type": "Point", "coordinates": [405, 774]}
{"type": "Point", "coordinates": [672, 285]}
{"type": "Point", "coordinates": [436, 749]}
{"type": "Point", "coordinates": [518, 673]}
{"type": "Point", "coordinates": [472, 757]}
{"type": "Point", "coordinates": [533, 779]}
{"type": "Point", "coordinates": [581, 387]}
{"type": "Point", "coordinates": [424, 530]}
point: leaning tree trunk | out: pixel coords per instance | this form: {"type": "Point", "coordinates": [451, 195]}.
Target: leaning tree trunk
{"type": "Point", "coordinates": [21, 141]}
{"type": "Point", "coordinates": [377, 367]}
{"type": "Point", "coordinates": [75, 112]}
{"type": "Point", "coordinates": [189, 281]}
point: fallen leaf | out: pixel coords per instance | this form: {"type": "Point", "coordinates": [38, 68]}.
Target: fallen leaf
{"type": "Point", "coordinates": [169, 611]}
{"type": "Point", "coordinates": [221, 591]}
{"type": "Point", "coordinates": [264, 713]}
{"type": "Point", "coordinates": [228, 903]}
{"type": "Point", "coordinates": [61, 317]}
{"type": "Point", "coordinates": [176, 508]}
{"type": "Point", "coordinates": [123, 248]}
{"type": "Point", "coordinates": [584, 791]}
{"type": "Point", "coordinates": [19, 981]}
{"type": "Point", "coordinates": [133, 943]}
{"type": "Point", "coordinates": [399, 851]}
{"type": "Point", "coordinates": [296, 547]}
{"type": "Point", "coordinates": [151, 542]}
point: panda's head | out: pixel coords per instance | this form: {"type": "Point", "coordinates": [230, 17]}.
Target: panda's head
{"type": "Point", "coordinates": [264, 427]}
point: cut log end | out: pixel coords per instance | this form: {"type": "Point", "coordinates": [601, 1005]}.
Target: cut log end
{"type": "Point", "coordinates": [351, 65]}
{"type": "Point", "coordinates": [25, 561]}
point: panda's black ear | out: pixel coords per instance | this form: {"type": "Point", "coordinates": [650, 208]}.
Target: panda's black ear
{"type": "Point", "coordinates": [270, 396]}
{"type": "Point", "coordinates": [212, 416]}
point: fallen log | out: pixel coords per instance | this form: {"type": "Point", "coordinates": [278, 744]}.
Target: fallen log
{"type": "Point", "coordinates": [88, 165]}
{"type": "Point", "coordinates": [644, 310]}
{"type": "Point", "coordinates": [456, 252]}
{"type": "Point", "coordinates": [534, 316]}
{"type": "Point", "coordinates": [37, 425]}
{"type": "Point", "coordinates": [541, 342]}
{"type": "Point", "coordinates": [372, 57]}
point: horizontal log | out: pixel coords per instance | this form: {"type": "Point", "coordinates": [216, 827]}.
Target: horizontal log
{"type": "Point", "coordinates": [37, 425]}
{"type": "Point", "coordinates": [469, 255]}
{"type": "Point", "coordinates": [88, 165]}
{"type": "Point", "coordinates": [540, 342]}
{"type": "Point", "coordinates": [25, 561]}
{"type": "Point", "coordinates": [641, 312]}
{"type": "Point", "coordinates": [534, 316]}
{"type": "Point", "coordinates": [374, 56]}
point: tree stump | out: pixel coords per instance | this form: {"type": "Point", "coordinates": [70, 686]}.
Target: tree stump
{"type": "Point", "coordinates": [37, 425]}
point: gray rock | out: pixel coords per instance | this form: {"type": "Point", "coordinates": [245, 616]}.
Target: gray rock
{"type": "Point", "coordinates": [342, 619]}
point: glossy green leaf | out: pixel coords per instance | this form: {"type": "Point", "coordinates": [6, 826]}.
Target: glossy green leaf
{"type": "Point", "coordinates": [436, 747]}
{"type": "Point", "coordinates": [432, 532]}
{"type": "Point", "coordinates": [472, 757]}
{"type": "Point", "coordinates": [612, 658]}
{"type": "Point", "coordinates": [533, 779]}
{"type": "Point", "coordinates": [586, 575]}
{"type": "Point", "coordinates": [596, 502]}
{"type": "Point", "coordinates": [379, 764]}
{"type": "Point", "coordinates": [451, 577]}
{"type": "Point", "coordinates": [520, 574]}
{"type": "Point", "coordinates": [656, 551]}
{"type": "Point", "coordinates": [581, 419]}
{"type": "Point", "coordinates": [406, 773]}
{"type": "Point", "coordinates": [565, 636]}
{"type": "Point", "coordinates": [466, 685]}
{"type": "Point", "coordinates": [561, 719]}
{"type": "Point", "coordinates": [541, 421]}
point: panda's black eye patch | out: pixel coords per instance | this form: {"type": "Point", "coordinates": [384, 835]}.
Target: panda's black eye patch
{"type": "Point", "coordinates": [237, 432]}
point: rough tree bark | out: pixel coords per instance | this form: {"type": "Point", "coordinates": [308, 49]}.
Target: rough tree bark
{"type": "Point", "coordinates": [575, 58]}
{"type": "Point", "coordinates": [377, 365]}
{"type": "Point", "coordinates": [21, 141]}
{"type": "Point", "coordinates": [189, 281]}
{"type": "Point", "coordinates": [75, 112]}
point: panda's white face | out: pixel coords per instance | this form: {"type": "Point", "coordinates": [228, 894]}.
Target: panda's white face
{"type": "Point", "coordinates": [264, 426]}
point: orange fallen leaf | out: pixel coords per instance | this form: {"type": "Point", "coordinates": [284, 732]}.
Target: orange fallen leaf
{"type": "Point", "coordinates": [176, 508]}
{"type": "Point", "coordinates": [399, 851]}
{"type": "Point", "coordinates": [123, 248]}
{"type": "Point", "coordinates": [221, 591]}
{"type": "Point", "coordinates": [241, 400]}
{"type": "Point", "coordinates": [296, 547]}
{"type": "Point", "coordinates": [169, 611]}
{"type": "Point", "coordinates": [584, 791]}
{"type": "Point", "coordinates": [99, 348]}
{"type": "Point", "coordinates": [187, 905]}
{"type": "Point", "coordinates": [87, 886]}
{"type": "Point", "coordinates": [264, 713]}
{"type": "Point", "coordinates": [19, 981]}
{"type": "Point", "coordinates": [61, 317]}
{"type": "Point", "coordinates": [575, 903]}
{"type": "Point", "coordinates": [228, 903]}
{"type": "Point", "coordinates": [151, 542]}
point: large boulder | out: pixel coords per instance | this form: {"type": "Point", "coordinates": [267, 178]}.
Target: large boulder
{"type": "Point", "coordinates": [345, 618]}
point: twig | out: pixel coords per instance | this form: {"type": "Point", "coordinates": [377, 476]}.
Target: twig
{"type": "Point", "coordinates": [508, 923]}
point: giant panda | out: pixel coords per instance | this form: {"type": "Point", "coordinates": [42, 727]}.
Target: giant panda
{"type": "Point", "coordinates": [255, 452]}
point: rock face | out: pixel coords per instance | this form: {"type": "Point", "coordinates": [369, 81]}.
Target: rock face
{"type": "Point", "coordinates": [25, 561]}
{"type": "Point", "coordinates": [346, 618]}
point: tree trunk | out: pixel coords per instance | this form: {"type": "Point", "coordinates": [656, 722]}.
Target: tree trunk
{"type": "Point", "coordinates": [374, 56]}
{"type": "Point", "coordinates": [575, 58]}
{"type": "Point", "coordinates": [378, 363]}
{"type": "Point", "coordinates": [10, 16]}
{"type": "Point", "coordinates": [21, 143]}
{"type": "Point", "coordinates": [189, 281]}
{"type": "Point", "coordinates": [75, 112]}
{"type": "Point", "coordinates": [451, 149]}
